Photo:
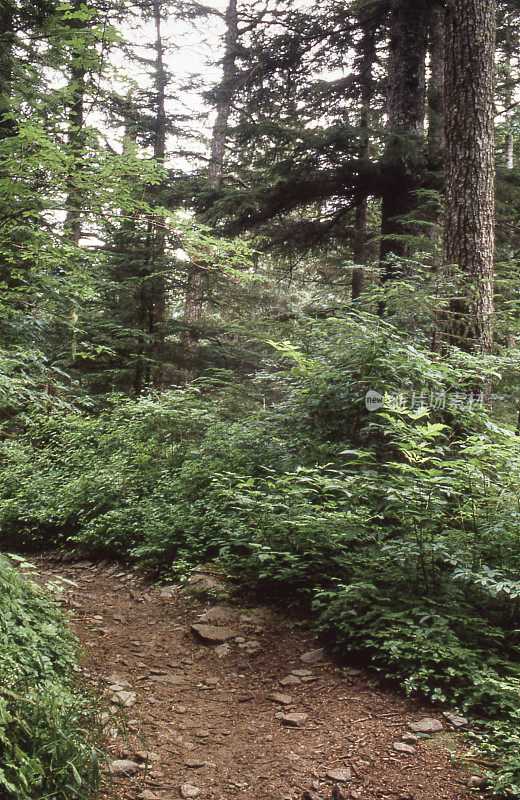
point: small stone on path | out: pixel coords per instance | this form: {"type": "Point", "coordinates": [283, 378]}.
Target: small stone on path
{"type": "Point", "coordinates": [290, 680]}
{"type": "Point", "coordinates": [341, 775]}
{"type": "Point", "coordinates": [123, 767]}
{"type": "Point", "coordinates": [455, 719]}
{"type": "Point", "coordinates": [194, 763]}
{"type": "Point", "coordinates": [283, 699]}
{"type": "Point", "coordinates": [401, 747]}
{"type": "Point", "coordinates": [147, 795]}
{"type": "Point", "coordinates": [301, 673]}
{"type": "Point", "coordinates": [144, 755]}
{"type": "Point", "coordinates": [313, 656]}
{"type": "Point", "coordinates": [206, 584]}
{"type": "Point", "coordinates": [426, 725]}
{"type": "Point", "coordinates": [292, 720]}
{"type": "Point", "coordinates": [115, 679]}
{"type": "Point", "coordinates": [124, 698]}
{"type": "Point", "coordinates": [219, 614]}
{"type": "Point", "coordinates": [187, 790]}
{"type": "Point", "coordinates": [213, 634]}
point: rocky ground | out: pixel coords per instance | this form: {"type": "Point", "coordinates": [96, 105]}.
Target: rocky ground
{"type": "Point", "coordinates": [224, 702]}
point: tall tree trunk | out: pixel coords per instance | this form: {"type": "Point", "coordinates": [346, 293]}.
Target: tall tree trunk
{"type": "Point", "coordinates": [367, 48]}
{"type": "Point", "coordinates": [157, 239]}
{"type": "Point", "coordinates": [509, 51]}
{"type": "Point", "coordinates": [406, 103]}
{"type": "Point", "coordinates": [76, 140]}
{"type": "Point", "coordinates": [6, 66]}
{"type": "Point", "coordinates": [435, 147]}
{"type": "Point", "coordinates": [226, 92]}
{"type": "Point", "coordinates": [196, 280]}
{"type": "Point", "coordinates": [470, 169]}
{"type": "Point", "coordinates": [437, 42]}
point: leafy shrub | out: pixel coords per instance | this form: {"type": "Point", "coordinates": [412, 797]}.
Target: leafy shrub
{"type": "Point", "coordinates": [397, 530]}
{"type": "Point", "coordinates": [44, 737]}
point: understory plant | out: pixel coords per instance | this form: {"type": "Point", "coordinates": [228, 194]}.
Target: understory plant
{"type": "Point", "coordinates": [46, 724]}
{"type": "Point", "coordinates": [396, 530]}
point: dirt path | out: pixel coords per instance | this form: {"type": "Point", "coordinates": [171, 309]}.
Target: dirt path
{"type": "Point", "coordinates": [203, 720]}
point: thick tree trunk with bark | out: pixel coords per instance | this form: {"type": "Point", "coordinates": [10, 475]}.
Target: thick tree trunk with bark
{"type": "Point", "coordinates": [227, 89]}
{"type": "Point", "coordinates": [470, 169]}
{"type": "Point", "coordinates": [435, 146]}
{"type": "Point", "coordinates": [406, 105]}
{"type": "Point", "coordinates": [359, 241]}
{"type": "Point", "coordinates": [76, 138]}
{"type": "Point", "coordinates": [157, 316]}
{"type": "Point", "coordinates": [76, 128]}
{"type": "Point", "coordinates": [6, 66]}
{"type": "Point", "coordinates": [437, 42]}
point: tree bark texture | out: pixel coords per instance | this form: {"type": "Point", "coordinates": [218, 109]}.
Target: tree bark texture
{"type": "Point", "coordinates": [227, 90]}
{"type": "Point", "coordinates": [76, 140]}
{"type": "Point", "coordinates": [359, 240]}
{"type": "Point", "coordinates": [6, 65]}
{"type": "Point", "coordinates": [470, 169]}
{"type": "Point", "coordinates": [437, 43]}
{"type": "Point", "coordinates": [157, 317]}
{"type": "Point", "coordinates": [406, 106]}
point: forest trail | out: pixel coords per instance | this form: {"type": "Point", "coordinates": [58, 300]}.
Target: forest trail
{"type": "Point", "coordinates": [206, 720]}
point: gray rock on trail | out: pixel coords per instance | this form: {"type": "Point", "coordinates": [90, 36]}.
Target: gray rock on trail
{"type": "Point", "coordinates": [283, 699]}
{"type": "Point", "coordinates": [292, 720]}
{"type": "Point", "coordinates": [456, 720]}
{"type": "Point", "coordinates": [426, 725]}
{"type": "Point", "coordinates": [213, 634]}
{"type": "Point", "coordinates": [146, 794]}
{"type": "Point", "coordinates": [253, 646]}
{"type": "Point", "coordinates": [401, 747]}
{"type": "Point", "coordinates": [187, 791]}
{"type": "Point", "coordinates": [290, 680]}
{"type": "Point", "coordinates": [340, 775]}
{"type": "Point", "coordinates": [115, 679]}
{"type": "Point", "coordinates": [167, 592]}
{"type": "Point", "coordinates": [144, 755]}
{"type": "Point", "coordinates": [123, 767]}
{"type": "Point", "coordinates": [205, 584]}
{"type": "Point", "coordinates": [313, 656]}
{"type": "Point", "coordinates": [219, 614]}
{"type": "Point", "coordinates": [476, 782]}
{"type": "Point", "coordinates": [222, 650]}
{"type": "Point", "coordinates": [124, 698]}
{"type": "Point", "coordinates": [302, 673]}
{"type": "Point", "coordinates": [194, 763]}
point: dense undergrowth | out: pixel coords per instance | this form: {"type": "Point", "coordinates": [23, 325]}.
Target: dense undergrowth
{"type": "Point", "coordinates": [45, 723]}
{"type": "Point", "coordinates": [398, 530]}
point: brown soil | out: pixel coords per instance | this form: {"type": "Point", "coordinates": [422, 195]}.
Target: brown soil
{"type": "Point", "coordinates": [207, 720]}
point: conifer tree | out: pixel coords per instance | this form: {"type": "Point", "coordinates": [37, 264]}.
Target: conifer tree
{"type": "Point", "coordinates": [470, 169]}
